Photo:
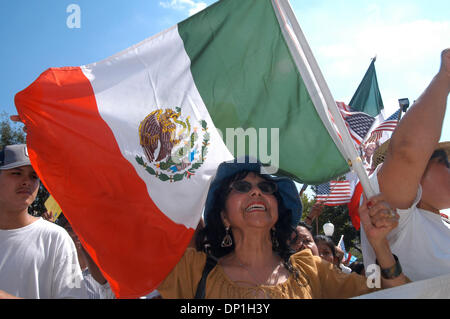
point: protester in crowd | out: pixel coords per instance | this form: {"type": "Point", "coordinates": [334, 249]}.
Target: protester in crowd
{"type": "Point", "coordinates": [415, 180]}
{"type": "Point", "coordinates": [340, 254]}
{"type": "Point", "coordinates": [37, 258]}
{"type": "Point", "coordinates": [249, 218]}
{"type": "Point", "coordinates": [369, 149]}
{"type": "Point", "coordinates": [303, 239]}
{"type": "Point", "coordinates": [314, 213]}
{"type": "Point", "coordinates": [327, 249]}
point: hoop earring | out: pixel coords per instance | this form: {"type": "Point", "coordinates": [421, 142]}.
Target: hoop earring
{"type": "Point", "coordinates": [227, 240]}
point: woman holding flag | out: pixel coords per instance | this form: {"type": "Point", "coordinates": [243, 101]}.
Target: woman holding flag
{"type": "Point", "coordinates": [243, 250]}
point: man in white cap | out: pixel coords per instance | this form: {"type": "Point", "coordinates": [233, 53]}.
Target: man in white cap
{"type": "Point", "coordinates": [37, 258]}
{"type": "Point", "coordinates": [415, 179]}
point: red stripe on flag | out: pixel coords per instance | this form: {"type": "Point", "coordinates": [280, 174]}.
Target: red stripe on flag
{"type": "Point", "coordinates": [349, 257]}
{"type": "Point", "coordinates": [104, 199]}
{"type": "Point", "coordinates": [353, 206]}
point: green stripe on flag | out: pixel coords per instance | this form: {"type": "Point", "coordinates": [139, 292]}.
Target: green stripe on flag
{"type": "Point", "coordinates": [247, 78]}
{"type": "Point", "coordinates": [367, 97]}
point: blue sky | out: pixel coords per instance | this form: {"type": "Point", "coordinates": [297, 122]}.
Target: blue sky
{"type": "Point", "coordinates": [406, 36]}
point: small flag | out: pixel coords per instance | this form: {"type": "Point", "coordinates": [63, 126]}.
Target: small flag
{"type": "Point", "coordinates": [358, 123]}
{"type": "Point", "coordinates": [387, 126]}
{"type": "Point", "coordinates": [348, 257]}
{"type": "Point", "coordinates": [367, 97]}
{"type": "Point", "coordinates": [334, 193]}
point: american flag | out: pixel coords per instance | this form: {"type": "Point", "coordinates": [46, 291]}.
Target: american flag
{"type": "Point", "coordinates": [334, 193]}
{"type": "Point", "coordinates": [358, 123]}
{"type": "Point", "coordinates": [381, 133]}
{"type": "Point", "coordinates": [387, 126]}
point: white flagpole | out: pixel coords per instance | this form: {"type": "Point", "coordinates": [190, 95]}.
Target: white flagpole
{"type": "Point", "coordinates": [340, 241]}
{"type": "Point", "coordinates": [319, 91]}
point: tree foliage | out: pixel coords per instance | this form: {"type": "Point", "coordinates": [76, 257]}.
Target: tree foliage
{"type": "Point", "coordinates": [12, 133]}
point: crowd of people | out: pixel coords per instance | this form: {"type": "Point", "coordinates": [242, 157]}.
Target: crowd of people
{"type": "Point", "coordinates": [252, 243]}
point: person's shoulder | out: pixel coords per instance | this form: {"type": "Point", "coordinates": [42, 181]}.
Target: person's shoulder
{"type": "Point", "coordinates": [305, 253]}
{"type": "Point", "coordinates": [304, 258]}
{"type": "Point", "coordinates": [192, 254]}
{"type": "Point", "coordinates": [49, 226]}
{"type": "Point", "coordinates": [51, 230]}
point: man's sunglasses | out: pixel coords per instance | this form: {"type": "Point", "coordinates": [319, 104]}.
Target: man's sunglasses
{"type": "Point", "coordinates": [266, 187]}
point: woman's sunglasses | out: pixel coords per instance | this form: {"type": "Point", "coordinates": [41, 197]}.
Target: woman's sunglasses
{"type": "Point", "coordinates": [266, 187]}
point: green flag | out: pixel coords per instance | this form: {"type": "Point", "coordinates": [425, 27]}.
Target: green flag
{"type": "Point", "coordinates": [367, 97]}
{"type": "Point", "coordinates": [247, 76]}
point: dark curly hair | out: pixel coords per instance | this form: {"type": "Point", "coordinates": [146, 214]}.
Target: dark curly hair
{"type": "Point", "coordinates": [209, 238]}
{"type": "Point", "coordinates": [326, 240]}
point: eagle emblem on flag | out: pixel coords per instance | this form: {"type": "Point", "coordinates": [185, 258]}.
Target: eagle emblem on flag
{"type": "Point", "coordinates": [173, 147]}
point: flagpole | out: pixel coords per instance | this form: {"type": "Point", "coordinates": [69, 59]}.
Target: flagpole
{"type": "Point", "coordinates": [302, 56]}
{"type": "Point", "coordinates": [403, 105]}
{"type": "Point", "coordinates": [340, 240]}
{"type": "Point", "coordinates": [307, 63]}
{"type": "Point", "coordinates": [304, 187]}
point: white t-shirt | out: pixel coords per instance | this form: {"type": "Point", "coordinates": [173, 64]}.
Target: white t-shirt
{"type": "Point", "coordinates": [421, 241]}
{"type": "Point", "coordinates": [40, 261]}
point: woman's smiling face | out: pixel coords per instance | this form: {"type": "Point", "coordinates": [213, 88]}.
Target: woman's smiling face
{"type": "Point", "coordinates": [252, 209]}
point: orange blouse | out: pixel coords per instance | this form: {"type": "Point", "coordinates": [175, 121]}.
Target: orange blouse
{"type": "Point", "coordinates": [318, 279]}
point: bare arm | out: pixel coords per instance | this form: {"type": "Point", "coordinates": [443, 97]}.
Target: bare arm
{"type": "Point", "coordinates": [314, 213]}
{"type": "Point", "coordinates": [414, 140]}
{"type": "Point", "coordinates": [93, 268]}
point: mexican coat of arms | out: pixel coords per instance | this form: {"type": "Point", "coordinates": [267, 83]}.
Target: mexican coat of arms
{"type": "Point", "coordinates": [174, 147]}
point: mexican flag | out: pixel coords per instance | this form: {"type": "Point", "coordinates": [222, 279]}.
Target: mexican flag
{"type": "Point", "coordinates": [128, 146]}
